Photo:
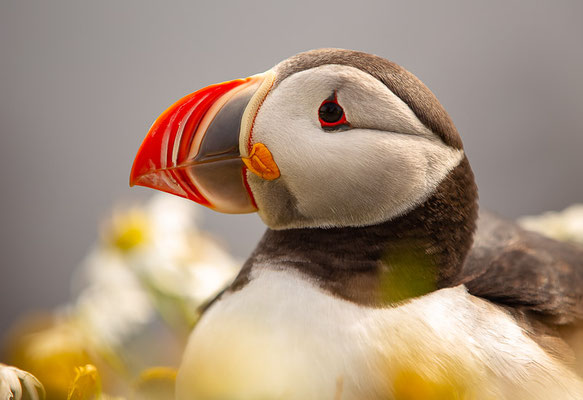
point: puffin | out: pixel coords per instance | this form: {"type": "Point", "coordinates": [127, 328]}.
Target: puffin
{"type": "Point", "coordinates": [377, 276]}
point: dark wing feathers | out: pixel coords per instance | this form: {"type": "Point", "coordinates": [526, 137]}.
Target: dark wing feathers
{"type": "Point", "coordinates": [522, 269]}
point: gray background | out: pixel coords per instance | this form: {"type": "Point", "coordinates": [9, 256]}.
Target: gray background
{"type": "Point", "coordinates": [81, 82]}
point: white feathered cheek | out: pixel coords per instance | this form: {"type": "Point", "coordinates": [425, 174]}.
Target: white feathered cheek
{"type": "Point", "coordinates": [348, 150]}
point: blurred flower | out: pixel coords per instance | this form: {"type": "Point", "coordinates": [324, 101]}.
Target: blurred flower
{"type": "Point", "coordinates": [86, 385]}
{"type": "Point", "coordinates": [412, 272]}
{"type": "Point", "coordinates": [182, 261]}
{"type": "Point", "coordinates": [114, 303]}
{"type": "Point", "coordinates": [155, 384]}
{"type": "Point", "coordinates": [50, 348]}
{"type": "Point", "coordinates": [410, 385]}
{"type": "Point", "coordinates": [14, 383]}
{"type": "Point", "coordinates": [128, 231]}
{"type": "Point", "coordinates": [566, 225]}
{"type": "Point", "coordinates": [142, 283]}
{"type": "Point", "coordinates": [150, 259]}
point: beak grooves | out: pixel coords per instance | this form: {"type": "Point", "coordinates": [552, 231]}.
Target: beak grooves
{"type": "Point", "coordinates": [193, 149]}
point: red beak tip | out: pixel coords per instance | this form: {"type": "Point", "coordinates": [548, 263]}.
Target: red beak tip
{"type": "Point", "coordinates": [138, 180]}
{"type": "Point", "coordinates": [133, 179]}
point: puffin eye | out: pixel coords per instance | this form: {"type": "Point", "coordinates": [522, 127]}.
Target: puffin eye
{"type": "Point", "coordinates": [331, 114]}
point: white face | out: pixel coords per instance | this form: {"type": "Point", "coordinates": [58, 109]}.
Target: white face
{"type": "Point", "coordinates": [385, 164]}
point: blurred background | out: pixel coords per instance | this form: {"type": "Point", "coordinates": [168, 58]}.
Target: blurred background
{"type": "Point", "coordinates": [81, 82]}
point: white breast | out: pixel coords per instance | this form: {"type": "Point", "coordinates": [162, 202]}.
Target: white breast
{"type": "Point", "coordinates": [281, 337]}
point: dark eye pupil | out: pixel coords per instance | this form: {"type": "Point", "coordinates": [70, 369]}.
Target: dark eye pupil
{"type": "Point", "coordinates": [330, 112]}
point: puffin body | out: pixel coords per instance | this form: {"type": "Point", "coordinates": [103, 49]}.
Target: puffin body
{"type": "Point", "coordinates": [359, 288]}
{"type": "Point", "coordinates": [282, 337]}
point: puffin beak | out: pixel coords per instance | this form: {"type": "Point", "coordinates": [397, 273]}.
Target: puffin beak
{"type": "Point", "coordinates": [193, 149]}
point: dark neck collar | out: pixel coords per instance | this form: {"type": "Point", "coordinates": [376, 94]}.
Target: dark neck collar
{"type": "Point", "coordinates": [424, 248]}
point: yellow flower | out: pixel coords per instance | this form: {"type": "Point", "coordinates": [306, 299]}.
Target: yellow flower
{"type": "Point", "coordinates": [409, 385]}
{"type": "Point", "coordinates": [87, 384]}
{"type": "Point", "coordinates": [128, 231]}
{"type": "Point", "coordinates": [155, 384]}
{"type": "Point", "coordinates": [51, 350]}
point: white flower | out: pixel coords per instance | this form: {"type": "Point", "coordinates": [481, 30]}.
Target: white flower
{"type": "Point", "coordinates": [14, 380]}
{"type": "Point", "coordinates": [198, 272]}
{"type": "Point", "coordinates": [180, 260]}
{"type": "Point", "coordinates": [147, 256]}
{"type": "Point", "coordinates": [115, 304]}
{"type": "Point", "coordinates": [151, 270]}
{"type": "Point", "coordinates": [564, 225]}
{"type": "Point", "coordinates": [170, 222]}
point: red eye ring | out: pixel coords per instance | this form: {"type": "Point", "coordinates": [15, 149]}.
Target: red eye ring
{"type": "Point", "coordinates": [331, 114]}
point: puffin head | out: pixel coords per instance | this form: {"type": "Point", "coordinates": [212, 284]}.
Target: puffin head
{"type": "Point", "coordinates": [327, 138]}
